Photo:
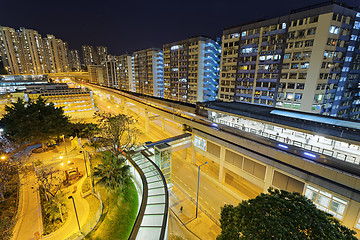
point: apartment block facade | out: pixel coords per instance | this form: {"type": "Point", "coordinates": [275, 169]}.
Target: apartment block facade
{"type": "Point", "coordinates": [11, 51]}
{"type": "Point", "coordinates": [102, 53]}
{"type": "Point", "coordinates": [148, 72]}
{"type": "Point", "coordinates": [191, 70]}
{"type": "Point", "coordinates": [26, 52]}
{"type": "Point", "coordinates": [125, 72]}
{"type": "Point", "coordinates": [74, 59]}
{"type": "Point", "coordinates": [90, 55]}
{"type": "Point", "coordinates": [307, 61]}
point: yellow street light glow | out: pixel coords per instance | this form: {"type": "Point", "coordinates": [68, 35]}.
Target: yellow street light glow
{"type": "Point", "coordinates": [3, 157]}
{"type": "Point", "coordinates": [68, 161]}
{"type": "Point", "coordinates": [108, 106]}
{"type": "Point", "coordinates": [61, 157]}
{"type": "Point", "coordinates": [62, 164]}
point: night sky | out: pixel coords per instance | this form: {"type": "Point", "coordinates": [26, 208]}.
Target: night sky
{"type": "Point", "coordinates": [127, 26]}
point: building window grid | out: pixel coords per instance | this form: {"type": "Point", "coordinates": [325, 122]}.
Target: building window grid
{"type": "Point", "coordinates": [200, 142]}
{"type": "Point", "coordinates": [326, 201]}
{"type": "Point", "coordinates": [357, 225]}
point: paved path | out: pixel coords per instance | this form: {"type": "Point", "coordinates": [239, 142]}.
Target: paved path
{"type": "Point", "coordinates": [29, 212]}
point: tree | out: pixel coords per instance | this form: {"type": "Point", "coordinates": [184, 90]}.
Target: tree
{"type": "Point", "coordinates": [34, 121]}
{"type": "Point", "coordinates": [7, 169]}
{"type": "Point", "coordinates": [118, 132]}
{"type": "Point", "coordinates": [280, 215]}
{"type": "Point", "coordinates": [83, 130]}
{"type": "Point", "coordinates": [50, 181]}
{"type": "Point", "coordinates": [112, 173]}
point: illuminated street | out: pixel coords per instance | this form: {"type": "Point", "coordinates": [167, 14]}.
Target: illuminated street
{"type": "Point", "coordinates": [213, 195]}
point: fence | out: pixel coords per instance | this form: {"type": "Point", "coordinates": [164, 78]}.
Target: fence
{"type": "Point", "coordinates": [87, 228]}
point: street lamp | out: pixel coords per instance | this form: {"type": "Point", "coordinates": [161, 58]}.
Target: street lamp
{"type": "Point", "coordinates": [77, 219]}
{"type": "Point", "coordinates": [83, 152]}
{"type": "Point", "coordinates": [197, 194]}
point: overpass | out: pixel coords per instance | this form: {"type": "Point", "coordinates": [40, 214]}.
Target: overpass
{"type": "Point", "coordinates": [331, 178]}
{"type": "Point", "coordinates": [76, 75]}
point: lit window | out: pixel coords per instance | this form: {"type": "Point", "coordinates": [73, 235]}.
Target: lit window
{"type": "Point", "coordinates": [200, 142]}
{"type": "Point", "coordinates": [304, 65]}
{"type": "Point", "coordinates": [357, 25]}
{"type": "Point", "coordinates": [326, 201]}
{"type": "Point", "coordinates": [334, 30]}
{"type": "Point", "coordinates": [358, 224]}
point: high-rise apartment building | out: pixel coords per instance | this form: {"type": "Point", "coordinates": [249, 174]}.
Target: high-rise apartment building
{"type": "Point", "coordinates": [148, 72]}
{"type": "Point", "coordinates": [90, 55]}
{"type": "Point", "coordinates": [307, 61]}
{"type": "Point", "coordinates": [11, 51]}
{"type": "Point", "coordinates": [96, 74]}
{"type": "Point", "coordinates": [191, 70]}
{"type": "Point", "coordinates": [57, 55]}
{"type": "Point", "coordinates": [52, 54]}
{"type": "Point", "coordinates": [74, 59]}
{"type": "Point", "coordinates": [102, 53]}
{"type": "Point", "coordinates": [110, 72]}
{"type": "Point", "coordinates": [125, 74]}
{"type": "Point", "coordinates": [64, 55]}
{"type": "Point", "coordinates": [34, 52]}
{"type": "Point", "coordinates": [26, 52]}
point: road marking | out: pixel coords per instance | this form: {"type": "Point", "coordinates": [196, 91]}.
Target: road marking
{"type": "Point", "coordinates": [185, 184]}
{"type": "Point", "coordinates": [206, 202]}
{"type": "Point", "coordinates": [213, 208]}
{"type": "Point", "coordinates": [206, 188]}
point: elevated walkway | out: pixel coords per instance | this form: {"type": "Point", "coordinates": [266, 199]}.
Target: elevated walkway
{"type": "Point", "coordinates": [153, 215]}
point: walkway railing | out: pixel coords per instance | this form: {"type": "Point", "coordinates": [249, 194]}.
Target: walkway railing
{"type": "Point", "coordinates": [331, 153]}
{"type": "Point", "coordinates": [152, 219]}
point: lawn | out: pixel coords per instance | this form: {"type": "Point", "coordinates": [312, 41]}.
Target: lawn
{"type": "Point", "coordinates": [8, 207]}
{"type": "Point", "coordinates": [118, 216]}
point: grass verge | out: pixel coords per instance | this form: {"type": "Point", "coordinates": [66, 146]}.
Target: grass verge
{"type": "Point", "coordinates": [94, 205]}
{"type": "Point", "coordinates": [119, 215]}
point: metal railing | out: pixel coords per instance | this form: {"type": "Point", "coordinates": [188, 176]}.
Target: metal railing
{"type": "Point", "coordinates": [331, 153]}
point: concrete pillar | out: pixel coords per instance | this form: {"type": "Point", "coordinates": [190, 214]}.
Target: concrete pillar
{"type": "Point", "coordinates": [138, 110]}
{"type": "Point", "coordinates": [184, 153]}
{"type": "Point", "coordinates": [268, 178]}
{"type": "Point", "coordinates": [163, 124]}
{"type": "Point", "coordinates": [147, 121]}
{"type": "Point", "coordinates": [193, 154]}
{"type": "Point", "coordinates": [221, 166]}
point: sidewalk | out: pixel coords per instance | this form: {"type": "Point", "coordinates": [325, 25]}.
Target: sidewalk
{"type": "Point", "coordinates": [200, 228]}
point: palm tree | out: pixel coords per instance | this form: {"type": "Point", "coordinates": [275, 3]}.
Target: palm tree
{"type": "Point", "coordinates": [112, 173]}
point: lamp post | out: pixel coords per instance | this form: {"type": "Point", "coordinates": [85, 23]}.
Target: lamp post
{"type": "Point", "coordinates": [83, 152]}
{"type": "Point", "coordinates": [77, 219]}
{"type": "Point", "coordinates": [197, 194]}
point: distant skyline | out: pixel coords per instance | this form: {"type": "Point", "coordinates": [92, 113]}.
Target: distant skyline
{"type": "Point", "coordinates": [135, 25]}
